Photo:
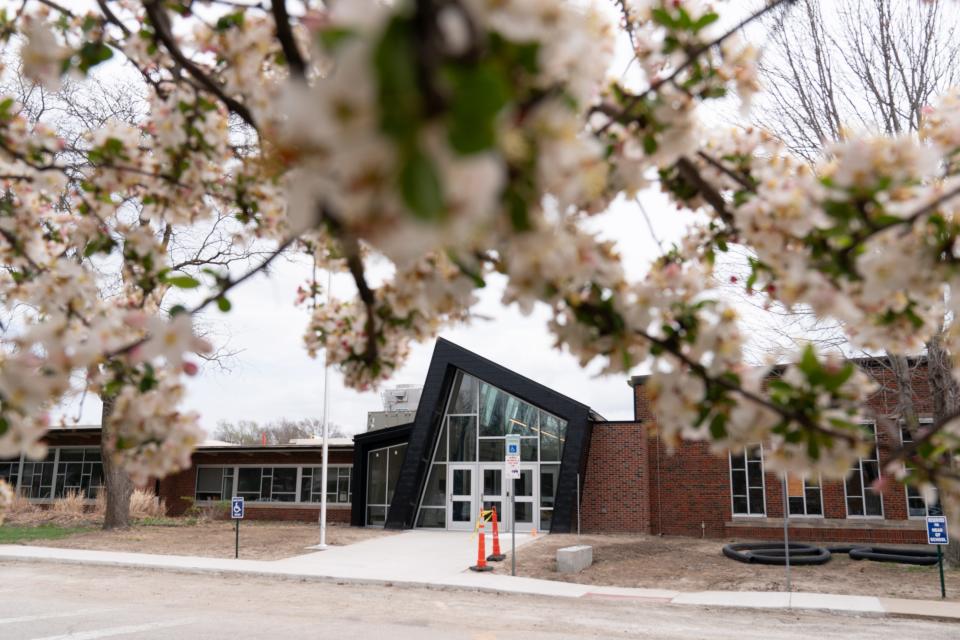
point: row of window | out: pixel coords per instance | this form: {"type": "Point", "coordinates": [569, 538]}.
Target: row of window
{"type": "Point", "coordinates": [804, 495]}
{"type": "Point", "coordinates": [65, 470]}
{"type": "Point", "coordinates": [274, 484]}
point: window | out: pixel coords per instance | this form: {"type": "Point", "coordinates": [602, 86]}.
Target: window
{"type": "Point", "coordinates": [338, 484]}
{"type": "Point", "coordinates": [37, 477]}
{"type": "Point", "coordinates": [214, 483]}
{"type": "Point", "coordinates": [803, 496]}
{"type": "Point", "coordinates": [862, 501]}
{"type": "Point", "coordinates": [916, 505]}
{"type": "Point", "coordinates": [746, 481]}
{"type": "Point", "coordinates": [10, 471]}
{"type": "Point", "coordinates": [478, 418]}
{"type": "Point", "coordinates": [273, 484]}
{"type": "Point", "coordinates": [383, 470]}
{"type": "Point", "coordinates": [79, 471]}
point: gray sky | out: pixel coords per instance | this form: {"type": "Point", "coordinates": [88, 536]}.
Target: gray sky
{"type": "Point", "coordinates": [272, 377]}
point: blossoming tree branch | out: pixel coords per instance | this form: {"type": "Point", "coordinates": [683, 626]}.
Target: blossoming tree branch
{"type": "Point", "coordinates": [458, 139]}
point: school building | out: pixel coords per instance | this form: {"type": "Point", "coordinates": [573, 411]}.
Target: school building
{"type": "Point", "coordinates": [439, 470]}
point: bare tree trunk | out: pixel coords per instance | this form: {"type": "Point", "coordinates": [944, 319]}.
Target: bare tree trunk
{"type": "Point", "coordinates": [116, 482]}
{"type": "Point", "coordinates": [946, 399]}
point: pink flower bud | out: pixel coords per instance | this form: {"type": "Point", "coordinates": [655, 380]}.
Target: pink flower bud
{"type": "Point", "coordinates": [190, 368]}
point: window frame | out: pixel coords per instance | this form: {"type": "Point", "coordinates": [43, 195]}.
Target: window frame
{"type": "Point", "coordinates": [56, 468]}
{"type": "Point", "coordinates": [906, 489]}
{"type": "Point", "coordinates": [819, 486]}
{"type": "Point", "coordinates": [863, 487]}
{"type": "Point", "coordinates": [260, 502]}
{"type": "Point", "coordinates": [763, 484]}
{"type": "Point", "coordinates": [386, 484]}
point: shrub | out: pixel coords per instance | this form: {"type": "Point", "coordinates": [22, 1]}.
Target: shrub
{"type": "Point", "coordinates": [144, 504]}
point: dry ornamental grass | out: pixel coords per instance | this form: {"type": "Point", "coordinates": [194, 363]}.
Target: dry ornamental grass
{"type": "Point", "coordinates": [74, 510]}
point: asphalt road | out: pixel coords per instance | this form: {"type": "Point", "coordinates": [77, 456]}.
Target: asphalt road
{"type": "Point", "coordinates": [47, 601]}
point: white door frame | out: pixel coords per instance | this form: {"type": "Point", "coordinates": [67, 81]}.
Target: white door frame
{"type": "Point", "coordinates": [503, 517]}
{"type": "Point", "coordinates": [534, 499]}
{"type": "Point", "coordinates": [471, 498]}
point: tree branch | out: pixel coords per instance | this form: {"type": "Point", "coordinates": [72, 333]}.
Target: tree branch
{"type": "Point", "coordinates": [162, 33]}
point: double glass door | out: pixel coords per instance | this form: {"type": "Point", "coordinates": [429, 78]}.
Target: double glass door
{"type": "Point", "coordinates": [485, 485]}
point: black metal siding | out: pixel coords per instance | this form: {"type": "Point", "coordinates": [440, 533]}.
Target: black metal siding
{"type": "Point", "coordinates": [447, 358]}
{"type": "Point", "coordinates": [363, 443]}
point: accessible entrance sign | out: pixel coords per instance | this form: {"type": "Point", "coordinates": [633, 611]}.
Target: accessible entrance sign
{"type": "Point", "coordinates": [236, 512]}
{"type": "Point", "coordinates": [236, 508]}
{"type": "Point", "coordinates": [513, 457]}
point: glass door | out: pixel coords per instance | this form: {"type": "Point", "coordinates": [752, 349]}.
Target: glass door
{"type": "Point", "coordinates": [493, 494]}
{"type": "Point", "coordinates": [525, 501]}
{"type": "Point", "coordinates": [461, 512]}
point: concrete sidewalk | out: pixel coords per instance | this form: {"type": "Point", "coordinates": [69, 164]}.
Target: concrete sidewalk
{"type": "Point", "coordinates": [440, 560]}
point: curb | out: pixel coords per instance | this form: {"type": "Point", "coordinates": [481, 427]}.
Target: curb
{"type": "Point", "coordinates": [587, 594]}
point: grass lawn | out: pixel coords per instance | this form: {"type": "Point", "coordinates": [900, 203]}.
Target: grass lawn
{"type": "Point", "coordinates": [14, 533]}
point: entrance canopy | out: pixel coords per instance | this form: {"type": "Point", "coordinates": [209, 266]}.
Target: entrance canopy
{"type": "Point", "coordinates": [453, 461]}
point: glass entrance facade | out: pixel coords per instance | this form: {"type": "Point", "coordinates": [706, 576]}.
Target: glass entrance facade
{"type": "Point", "coordinates": [469, 453]}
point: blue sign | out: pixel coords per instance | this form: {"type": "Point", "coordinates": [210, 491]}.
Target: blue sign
{"type": "Point", "coordinates": [513, 449]}
{"type": "Point", "coordinates": [236, 508]}
{"type": "Point", "coordinates": [937, 530]}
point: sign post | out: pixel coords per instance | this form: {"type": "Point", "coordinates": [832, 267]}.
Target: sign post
{"type": "Point", "coordinates": [937, 535]}
{"type": "Point", "coordinates": [512, 461]}
{"type": "Point", "coordinates": [236, 512]}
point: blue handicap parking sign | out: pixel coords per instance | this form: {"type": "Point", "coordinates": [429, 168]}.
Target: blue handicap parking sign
{"type": "Point", "coordinates": [236, 508]}
{"type": "Point", "coordinates": [937, 530]}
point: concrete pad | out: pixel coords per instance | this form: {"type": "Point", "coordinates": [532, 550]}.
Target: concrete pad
{"type": "Point", "coordinates": [921, 608]}
{"type": "Point", "coordinates": [627, 592]}
{"type": "Point", "coordinates": [836, 602]}
{"type": "Point", "coordinates": [574, 559]}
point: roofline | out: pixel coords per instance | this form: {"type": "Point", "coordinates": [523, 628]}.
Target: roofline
{"type": "Point", "coordinates": [384, 432]}
{"type": "Point", "coordinates": [272, 448]}
{"type": "Point", "coordinates": [514, 373]}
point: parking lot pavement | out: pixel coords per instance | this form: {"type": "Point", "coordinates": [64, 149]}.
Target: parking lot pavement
{"type": "Point", "coordinates": [44, 601]}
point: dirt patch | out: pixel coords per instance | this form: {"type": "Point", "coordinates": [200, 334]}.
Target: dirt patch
{"type": "Point", "coordinates": [258, 540]}
{"type": "Point", "coordinates": [692, 564]}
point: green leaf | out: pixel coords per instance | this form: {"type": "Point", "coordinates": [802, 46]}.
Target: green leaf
{"type": "Point", "coordinates": [399, 93]}
{"type": "Point", "coordinates": [705, 20]}
{"type": "Point", "coordinates": [230, 20]}
{"type": "Point", "coordinates": [809, 364]}
{"type": "Point", "coordinates": [93, 53]}
{"type": "Point", "coordinates": [333, 37]}
{"type": "Point", "coordinates": [182, 282]}
{"type": "Point", "coordinates": [223, 304]}
{"type": "Point", "coordinates": [420, 186]}
{"type": "Point", "coordinates": [663, 17]}
{"type": "Point", "coordinates": [479, 93]}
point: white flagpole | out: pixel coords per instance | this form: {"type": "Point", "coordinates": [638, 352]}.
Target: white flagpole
{"type": "Point", "coordinates": [326, 434]}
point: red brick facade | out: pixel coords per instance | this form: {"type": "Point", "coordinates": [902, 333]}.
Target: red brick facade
{"type": "Point", "coordinates": [633, 485]}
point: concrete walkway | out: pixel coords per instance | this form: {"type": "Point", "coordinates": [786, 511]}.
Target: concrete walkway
{"type": "Point", "coordinates": [440, 560]}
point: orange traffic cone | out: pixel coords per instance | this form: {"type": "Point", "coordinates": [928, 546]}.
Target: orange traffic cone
{"type": "Point", "coordinates": [533, 532]}
{"type": "Point", "coordinates": [496, 556]}
{"type": "Point", "coordinates": [481, 554]}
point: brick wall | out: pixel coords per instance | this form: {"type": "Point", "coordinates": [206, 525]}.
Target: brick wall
{"type": "Point", "coordinates": [634, 484]}
{"type": "Point", "coordinates": [615, 488]}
